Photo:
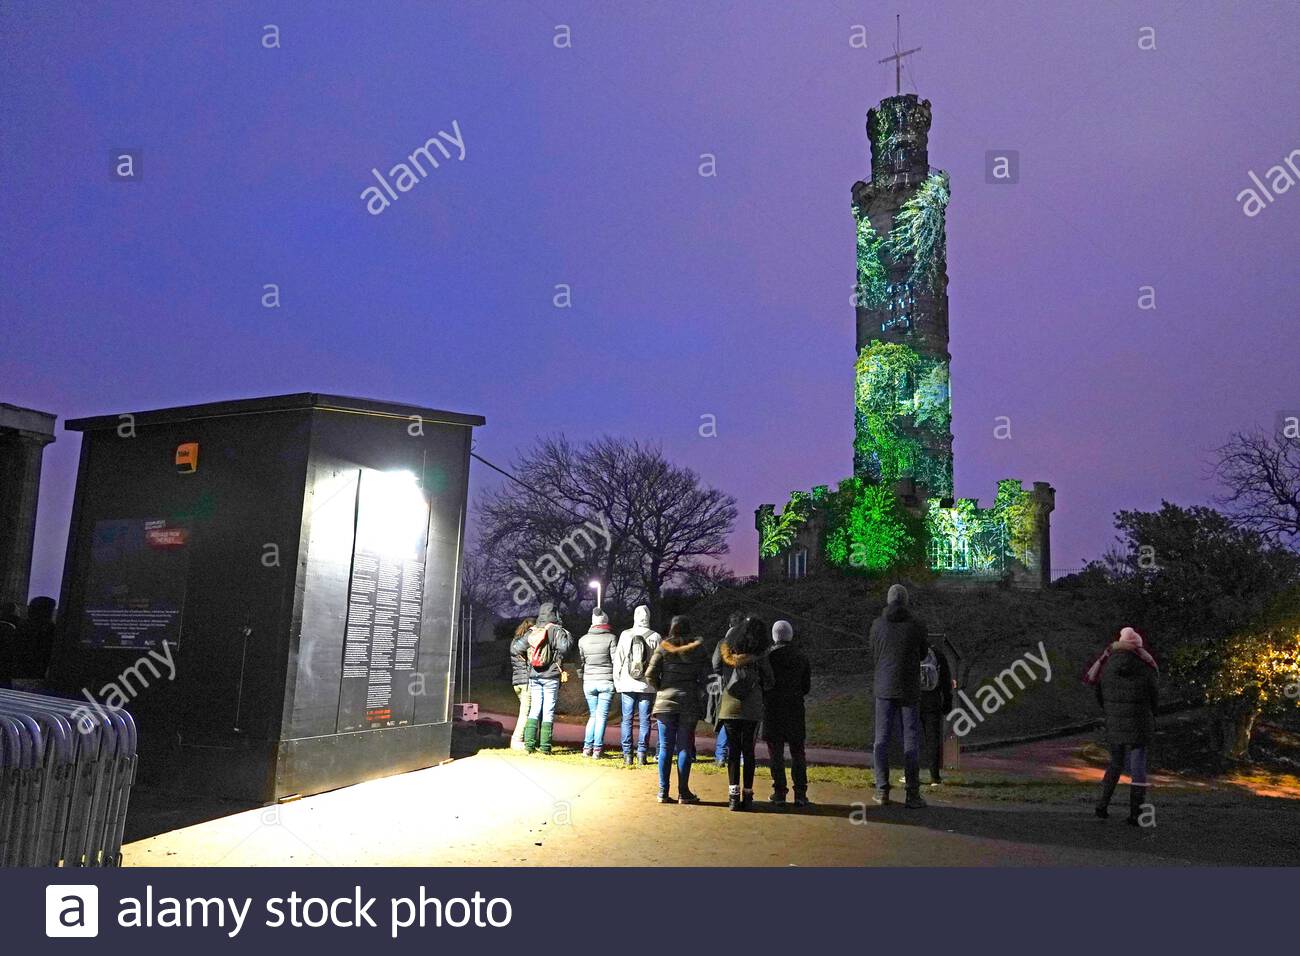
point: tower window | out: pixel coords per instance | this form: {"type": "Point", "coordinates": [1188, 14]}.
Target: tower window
{"type": "Point", "coordinates": [899, 305]}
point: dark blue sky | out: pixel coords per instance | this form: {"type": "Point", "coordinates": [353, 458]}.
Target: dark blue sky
{"type": "Point", "coordinates": [725, 296]}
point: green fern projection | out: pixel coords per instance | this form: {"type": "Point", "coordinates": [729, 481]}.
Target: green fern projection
{"type": "Point", "coordinates": [873, 280]}
{"type": "Point", "coordinates": [868, 529]}
{"type": "Point", "coordinates": [918, 232]}
{"type": "Point", "coordinates": [776, 532]}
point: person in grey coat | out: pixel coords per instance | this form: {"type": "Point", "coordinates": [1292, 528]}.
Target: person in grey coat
{"type": "Point", "coordinates": [898, 644]}
{"type": "Point", "coordinates": [596, 652]}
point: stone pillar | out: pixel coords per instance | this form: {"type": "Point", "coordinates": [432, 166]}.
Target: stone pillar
{"type": "Point", "coordinates": [1045, 502]}
{"type": "Point", "coordinates": [24, 433]}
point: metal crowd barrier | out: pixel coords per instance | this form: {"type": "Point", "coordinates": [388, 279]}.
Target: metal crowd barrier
{"type": "Point", "coordinates": [66, 771]}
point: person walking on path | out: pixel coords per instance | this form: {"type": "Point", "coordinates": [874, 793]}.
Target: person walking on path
{"type": "Point", "coordinates": [596, 651]}
{"type": "Point", "coordinates": [783, 714]}
{"type": "Point", "coordinates": [519, 674]}
{"type": "Point", "coordinates": [546, 644]}
{"type": "Point", "coordinates": [1127, 690]}
{"type": "Point", "coordinates": [631, 657]}
{"type": "Point", "coordinates": [741, 662]}
{"type": "Point", "coordinates": [678, 670]}
{"type": "Point", "coordinates": [936, 704]}
{"type": "Point", "coordinates": [899, 643]}
{"type": "Point", "coordinates": [715, 694]}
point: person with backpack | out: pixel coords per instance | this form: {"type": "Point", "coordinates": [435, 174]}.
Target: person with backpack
{"type": "Point", "coordinates": [783, 714]}
{"type": "Point", "coordinates": [596, 651]}
{"type": "Point", "coordinates": [715, 694]}
{"type": "Point", "coordinates": [678, 669]}
{"type": "Point", "coordinates": [936, 704]}
{"type": "Point", "coordinates": [631, 658]}
{"type": "Point", "coordinates": [1127, 689]}
{"type": "Point", "coordinates": [740, 660]}
{"type": "Point", "coordinates": [546, 644]}
{"type": "Point", "coordinates": [519, 681]}
{"type": "Point", "coordinates": [899, 643]}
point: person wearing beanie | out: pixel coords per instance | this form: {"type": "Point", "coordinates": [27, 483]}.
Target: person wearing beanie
{"type": "Point", "coordinates": [740, 661]}
{"type": "Point", "coordinates": [678, 669]}
{"type": "Point", "coordinates": [783, 714]}
{"type": "Point", "coordinates": [632, 656]}
{"type": "Point", "coordinates": [544, 646]}
{"type": "Point", "coordinates": [899, 642]}
{"type": "Point", "coordinates": [596, 653]}
{"type": "Point", "coordinates": [519, 674]}
{"type": "Point", "coordinates": [1127, 690]}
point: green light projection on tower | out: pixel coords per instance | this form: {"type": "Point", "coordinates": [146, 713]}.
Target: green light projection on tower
{"type": "Point", "coordinates": [919, 232]}
{"type": "Point", "coordinates": [776, 533]}
{"type": "Point", "coordinates": [967, 538]}
{"type": "Point", "coordinates": [894, 384]}
{"type": "Point", "coordinates": [868, 529]}
{"type": "Point", "coordinates": [873, 281]}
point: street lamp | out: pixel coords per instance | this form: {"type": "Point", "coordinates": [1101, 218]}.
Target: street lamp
{"type": "Point", "coordinates": [596, 585]}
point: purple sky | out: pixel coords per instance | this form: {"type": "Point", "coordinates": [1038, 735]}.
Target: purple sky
{"type": "Point", "coordinates": [726, 296]}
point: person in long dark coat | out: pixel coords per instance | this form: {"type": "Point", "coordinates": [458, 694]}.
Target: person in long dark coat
{"type": "Point", "coordinates": [1128, 693]}
{"type": "Point", "coordinates": [783, 714]}
{"type": "Point", "coordinates": [936, 704]}
{"type": "Point", "coordinates": [899, 643]}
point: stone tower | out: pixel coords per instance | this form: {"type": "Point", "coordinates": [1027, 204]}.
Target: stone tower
{"type": "Point", "coordinates": [903, 412]}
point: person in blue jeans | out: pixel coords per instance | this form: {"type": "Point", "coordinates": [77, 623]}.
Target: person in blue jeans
{"type": "Point", "coordinates": [632, 656]}
{"type": "Point", "coordinates": [596, 652]}
{"type": "Point", "coordinates": [899, 643]}
{"type": "Point", "coordinates": [544, 646]}
{"type": "Point", "coordinates": [678, 670]}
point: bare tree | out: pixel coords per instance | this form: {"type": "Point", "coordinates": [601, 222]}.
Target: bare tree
{"type": "Point", "coordinates": [675, 521]}
{"type": "Point", "coordinates": [651, 521]}
{"type": "Point", "coordinates": [1261, 473]}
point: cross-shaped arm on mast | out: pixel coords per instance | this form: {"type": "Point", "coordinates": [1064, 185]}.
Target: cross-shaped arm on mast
{"type": "Point", "coordinates": [897, 58]}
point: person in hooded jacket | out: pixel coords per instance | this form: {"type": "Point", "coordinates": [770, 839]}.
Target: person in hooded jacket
{"type": "Point", "coordinates": [519, 673]}
{"type": "Point", "coordinates": [1128, 693]}
{"type": "Point", "coordinates": [636, 697]}
{"type": "Point", "coordinates": [783, 714]}
{"type": "Point", "coordinates": [596, 651]}
{"type": "Point", "coordinates": [548, 640]}
{"type": "Point", "coordinates": [678, 671]}
{"type": "Point", "coordinates": [741, 662]}
{"type": "Point", "coordinates": [899, 642]}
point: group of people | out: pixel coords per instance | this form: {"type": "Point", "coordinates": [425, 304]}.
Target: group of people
{"type": "Point", "coordinates": [754, 677]}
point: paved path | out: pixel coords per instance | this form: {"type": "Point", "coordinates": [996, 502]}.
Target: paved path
{"type": "Point", "coordinates": [571, 736]}
{"type": "Point", "coordinates": [506, 809]}
{"type": "Point", "coordinates": [1056, 759]}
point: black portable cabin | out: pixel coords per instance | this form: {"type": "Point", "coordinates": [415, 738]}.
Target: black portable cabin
{"type": "Point", "coordinates": [270, 586]}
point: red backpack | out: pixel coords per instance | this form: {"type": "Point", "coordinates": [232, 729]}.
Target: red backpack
{"type": "Point", "coordinates": [540, 653]}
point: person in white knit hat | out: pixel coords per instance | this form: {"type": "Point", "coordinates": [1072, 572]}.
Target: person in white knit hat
{"type": "Point", "coordinates": [783, 714]}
